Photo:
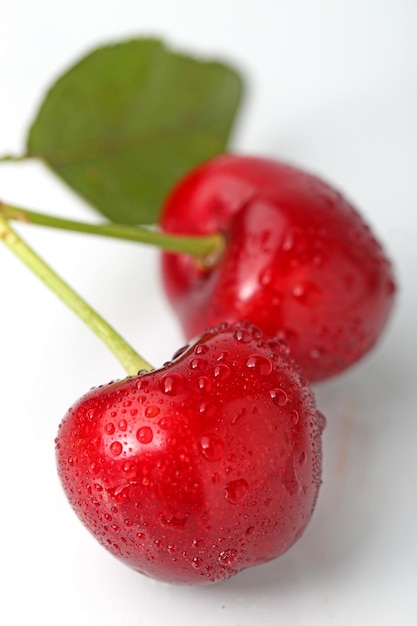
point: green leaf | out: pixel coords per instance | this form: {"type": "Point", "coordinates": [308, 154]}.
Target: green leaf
{"type": "Point", "coordinates": [128, 120]}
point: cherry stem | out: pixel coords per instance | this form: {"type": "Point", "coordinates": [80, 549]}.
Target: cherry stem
{"type": "Point", "coordinates": [207, 249]}
{"type": "Point", "coordinates": [131, 361]}
{"type": "Point", "coordinates": [14, 158]}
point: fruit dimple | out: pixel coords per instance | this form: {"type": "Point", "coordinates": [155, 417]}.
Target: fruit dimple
{"type": "Point", "coordinates": [297, 256]}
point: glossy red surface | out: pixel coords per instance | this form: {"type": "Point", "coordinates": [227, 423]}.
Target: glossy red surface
{"type": "Point", "coordinates": [300, 262]}
{"type": "Point", "coordinates": [194, 472]}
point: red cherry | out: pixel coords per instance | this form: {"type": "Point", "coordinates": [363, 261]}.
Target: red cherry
{"type": "Point", "coordinates": [198, 470]}
{"type": "Point", "coordinates": [299, 262]}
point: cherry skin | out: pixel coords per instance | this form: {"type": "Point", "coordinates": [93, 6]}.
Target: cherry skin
{"type": "Point", "coordinates": [299, 261]}
{"type": "Point", "coordinates": [202, 468]}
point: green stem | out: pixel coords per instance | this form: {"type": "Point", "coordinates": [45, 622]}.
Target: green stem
{"type": "Point", "coordinates": [14, 158]}
{"type": "Point", "coordinates": [130, 360]}
{"type": "Point", "coordinates": [207, 249]}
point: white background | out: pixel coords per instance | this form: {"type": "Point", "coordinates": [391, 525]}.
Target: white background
{"type": "Point", "coordinates": [333, 88]}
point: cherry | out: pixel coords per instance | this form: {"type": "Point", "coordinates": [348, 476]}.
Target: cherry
{"type": "Point", "coordinates": [202, 468]}
{"type": "Point", "coordinates": [299, 261]}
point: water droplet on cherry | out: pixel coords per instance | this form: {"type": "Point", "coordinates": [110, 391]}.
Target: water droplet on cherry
{"type": "Point", "coordinates": [204, 383]}
{"type": "Point", "coordinates": [242, 335]}
{"type": "Point", "coordinates": [227, 556]}
{"type": "Point", "coordinates": [306, 293]}
{"type": "Point", "coordinates": [198, 363]}
{"type": "Point", "coordinates": [236, 491]}
{"type": "Point", "coordinates": [109, 428]}
{"type": "Point", "coordinates": [165, 423]}
{"type": "Point", "coordinates": [116, 448]}
{"type": "Point", "coordinates": [152, 411]}
{"type": "Point", "coordinates": [221, 372]}
{"type": "Point", "coordinates": [259, 364]}
{"type": "Point", "coordinates": [278, 396]}
{"type": "Point", "coordinates": [172, 383]}
{"type": "Point", "coordinates": [144, 434]}
{"type": "Point", "coordinates": [295, 417]}
{"type": "Point", "coordinates": [212, 447]}
{"type": "Point", "coordinates": [321, 421]}
{"type": "Point", "coordinates": [201, 349]}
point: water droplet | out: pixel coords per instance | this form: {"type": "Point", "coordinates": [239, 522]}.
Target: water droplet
{"type": "Point", "coordinates": [94, 467]}
{"type": "Point", "coordinates": [142, 384]}
{"type": "Point", "coordinates": [321, 421]}
{"type": "Point", "coordinates": [206, 409]}
{"type": "Point", "coordinates": [172, 521]}
{"type": "Point", "coordinates": [196, 562]}
{"type": "Point", "coordinates": [93, 414]}
{"type": "Point", "coordinates": [315, 354]}
{"type": "Point", "coordinates": [122, 425]}
{"type": "Point", "coordinates": [259, 364]}
{"type": "Point", "coordinates": [295, 417]}
{"type": "Point", "coordinates": [109, 428]}
{"type": "Point", "coordinates": [266, 276]}
{"type": "Point", "coordinates": [152, 411]}
{"type": "Point", "coordinates": [221, 372]}
{"type": "Point", "coordinates": [212, 447]}
{"type": "Point", "coordinates": [198, 363]}
{"type": "Point", "coordinates": [141, 536]}
{"type": "Point", "coordinates": [215, 478]}
{"type": "Point", "coordinates": [302, 458]}
{"type": "Point", "coordinates": [318, 260]}
{"type": "Point", "coordinates": [227, 556]}
{"type": "Point", "coordinates": [243, 335]}
{"type": "Point", "coordinates": [179, 352]}
{"type": "Point", "coordinates": [116, 448]}
{"type": "Point", "coordinates": [238, 416]}
{"type": "Point", "coordinates": [172, 383]}
{"type": "Point", "coordinates": [144, 434]}
{"type": "Point", "coordinates": [129, 469]}
{"type": "Point", "coordinates": [204, 384]}
{"type": "Point", "coordinates": [289, 478]}
{"type": "Point", "coordinates": [250, 530]}
{"type": "Point", "coordinates": [286, 335]}
{"type": "Point", "coordinates": [201, 348]}
{"type": "Point", "coordinates": [276, 298]}
{"type": "Point", "coordinates": [165, 423]}
{"type": "Point", "coordinates": [278, 396]}
{"type": "Point", "coordinates": [306, 293]}
{"type": "Point", "coordinates": [236, 491]}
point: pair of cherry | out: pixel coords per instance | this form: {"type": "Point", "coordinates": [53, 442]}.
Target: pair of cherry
{"type": "Point", "coordinates": [212, 464]}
